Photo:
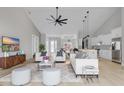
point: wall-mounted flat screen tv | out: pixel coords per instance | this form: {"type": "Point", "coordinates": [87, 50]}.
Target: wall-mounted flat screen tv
{"type": "Point", "coordinates": [10, 44]}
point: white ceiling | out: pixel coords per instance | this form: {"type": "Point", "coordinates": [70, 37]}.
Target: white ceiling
{"type": "Point", "coordinates": [97, 17]}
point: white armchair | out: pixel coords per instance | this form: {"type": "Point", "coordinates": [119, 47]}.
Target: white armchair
{"type": "Point", "coordinates": [58, 58]}
{"type": "Point", "coordinates": [38, 57]}
{"type": "Point", "coordinates": [61, 58]}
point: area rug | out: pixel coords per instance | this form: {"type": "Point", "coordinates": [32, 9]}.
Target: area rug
{"type": "Point", "coordinates": [68, 74]}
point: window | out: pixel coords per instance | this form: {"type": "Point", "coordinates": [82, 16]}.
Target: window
{"type": "Point", "coordinates": [53, 46]}
{"type": "Point", "coordinates": [47, 45]}
{"type": "Point", "coordinates": [35, 44]}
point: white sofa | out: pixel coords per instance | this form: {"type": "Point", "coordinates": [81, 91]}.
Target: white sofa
{"type": "Point", "coordinates": [79, 63]}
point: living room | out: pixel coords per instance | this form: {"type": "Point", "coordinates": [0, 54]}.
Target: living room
{"type": "Point", "coordinates": [70, 31]}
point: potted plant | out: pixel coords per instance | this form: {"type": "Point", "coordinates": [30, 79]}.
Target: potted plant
{"type": "Point", "coordinates": [41, 48]}
{"type": "Point", "coordinates": [5, 50]}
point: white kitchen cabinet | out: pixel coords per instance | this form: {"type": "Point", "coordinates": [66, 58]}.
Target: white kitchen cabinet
{"type": "Point", "coordinates": [107, 54]}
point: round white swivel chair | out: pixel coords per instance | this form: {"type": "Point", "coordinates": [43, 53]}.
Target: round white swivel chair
{"type": "Point", "coordinates": [51, 76]}
{"type": "Point", "coordinates": [21, 76]}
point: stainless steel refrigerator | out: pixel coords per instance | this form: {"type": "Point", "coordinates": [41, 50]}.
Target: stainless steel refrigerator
{"type": "Point", "coordinates": [116, 50]}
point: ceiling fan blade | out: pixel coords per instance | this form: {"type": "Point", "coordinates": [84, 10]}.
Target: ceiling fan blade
{"type": "Point", "coordinates": [55, 23]}
{"type": "Point", "coordinates": [59, 17]}
{"type": "Point", "coordinates": [52, 22]}
{"type": "Point", "coordinates": [63, 20]}
{"type": "Point", "coordinates": [53, 17]}
{"type": "Point", "coordinates": [59, 23]}
{"type": "Point", "coordinates": [49, 19]}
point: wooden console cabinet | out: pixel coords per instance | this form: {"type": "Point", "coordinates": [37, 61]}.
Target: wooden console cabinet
{"type": "Point", "coordinates": [7, 62]}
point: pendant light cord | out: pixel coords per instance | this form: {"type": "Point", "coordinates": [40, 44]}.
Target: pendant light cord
{"type": "Point", "coordinates": [56, 12]}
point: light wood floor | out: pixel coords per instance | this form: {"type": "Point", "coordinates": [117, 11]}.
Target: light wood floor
{"type": "Point", "coordinates": [111, 74]}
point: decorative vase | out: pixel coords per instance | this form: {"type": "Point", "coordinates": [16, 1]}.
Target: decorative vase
{"type": "Point", "coordinates": [45, 61]}
{"type": "Point", "coordinates": [5, 54]}
{"type": "Point", "coordinates": [45, 58]}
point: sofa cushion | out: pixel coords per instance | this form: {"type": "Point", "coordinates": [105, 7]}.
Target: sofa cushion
{"type": "Point", "coordinates": [59, 53]}
{"type": "Point", "coordinates": [82, 55]}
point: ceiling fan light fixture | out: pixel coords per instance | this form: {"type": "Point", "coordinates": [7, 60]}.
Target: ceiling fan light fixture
{"type": "Point", "coordinates": [58, 19]}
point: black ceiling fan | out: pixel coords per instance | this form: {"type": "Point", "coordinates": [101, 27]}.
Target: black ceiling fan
{"type": "Point", "coordinates": [57, 20]}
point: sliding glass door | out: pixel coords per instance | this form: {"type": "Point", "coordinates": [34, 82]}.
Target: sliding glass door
{"type": "Point", "coordinates": [53, 46]}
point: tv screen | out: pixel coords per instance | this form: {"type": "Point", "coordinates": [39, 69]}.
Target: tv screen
{"type": "Point", "coordinates": [10, 44]}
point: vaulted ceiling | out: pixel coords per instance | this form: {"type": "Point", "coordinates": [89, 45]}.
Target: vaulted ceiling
{"type": "Point", "coordinates": [97, 17]}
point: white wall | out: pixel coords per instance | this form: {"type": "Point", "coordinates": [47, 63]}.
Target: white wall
{"type": "Point", "coordinates": [122, 36]}
{"type": "Point", "coordinates": [113, 22]}
{"type": "Point", "coordinates": [110, 29]}
{"type": "Point", "coordinates": [43, 38]}
{"type": "Point", "coordinates": [15, 23]}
